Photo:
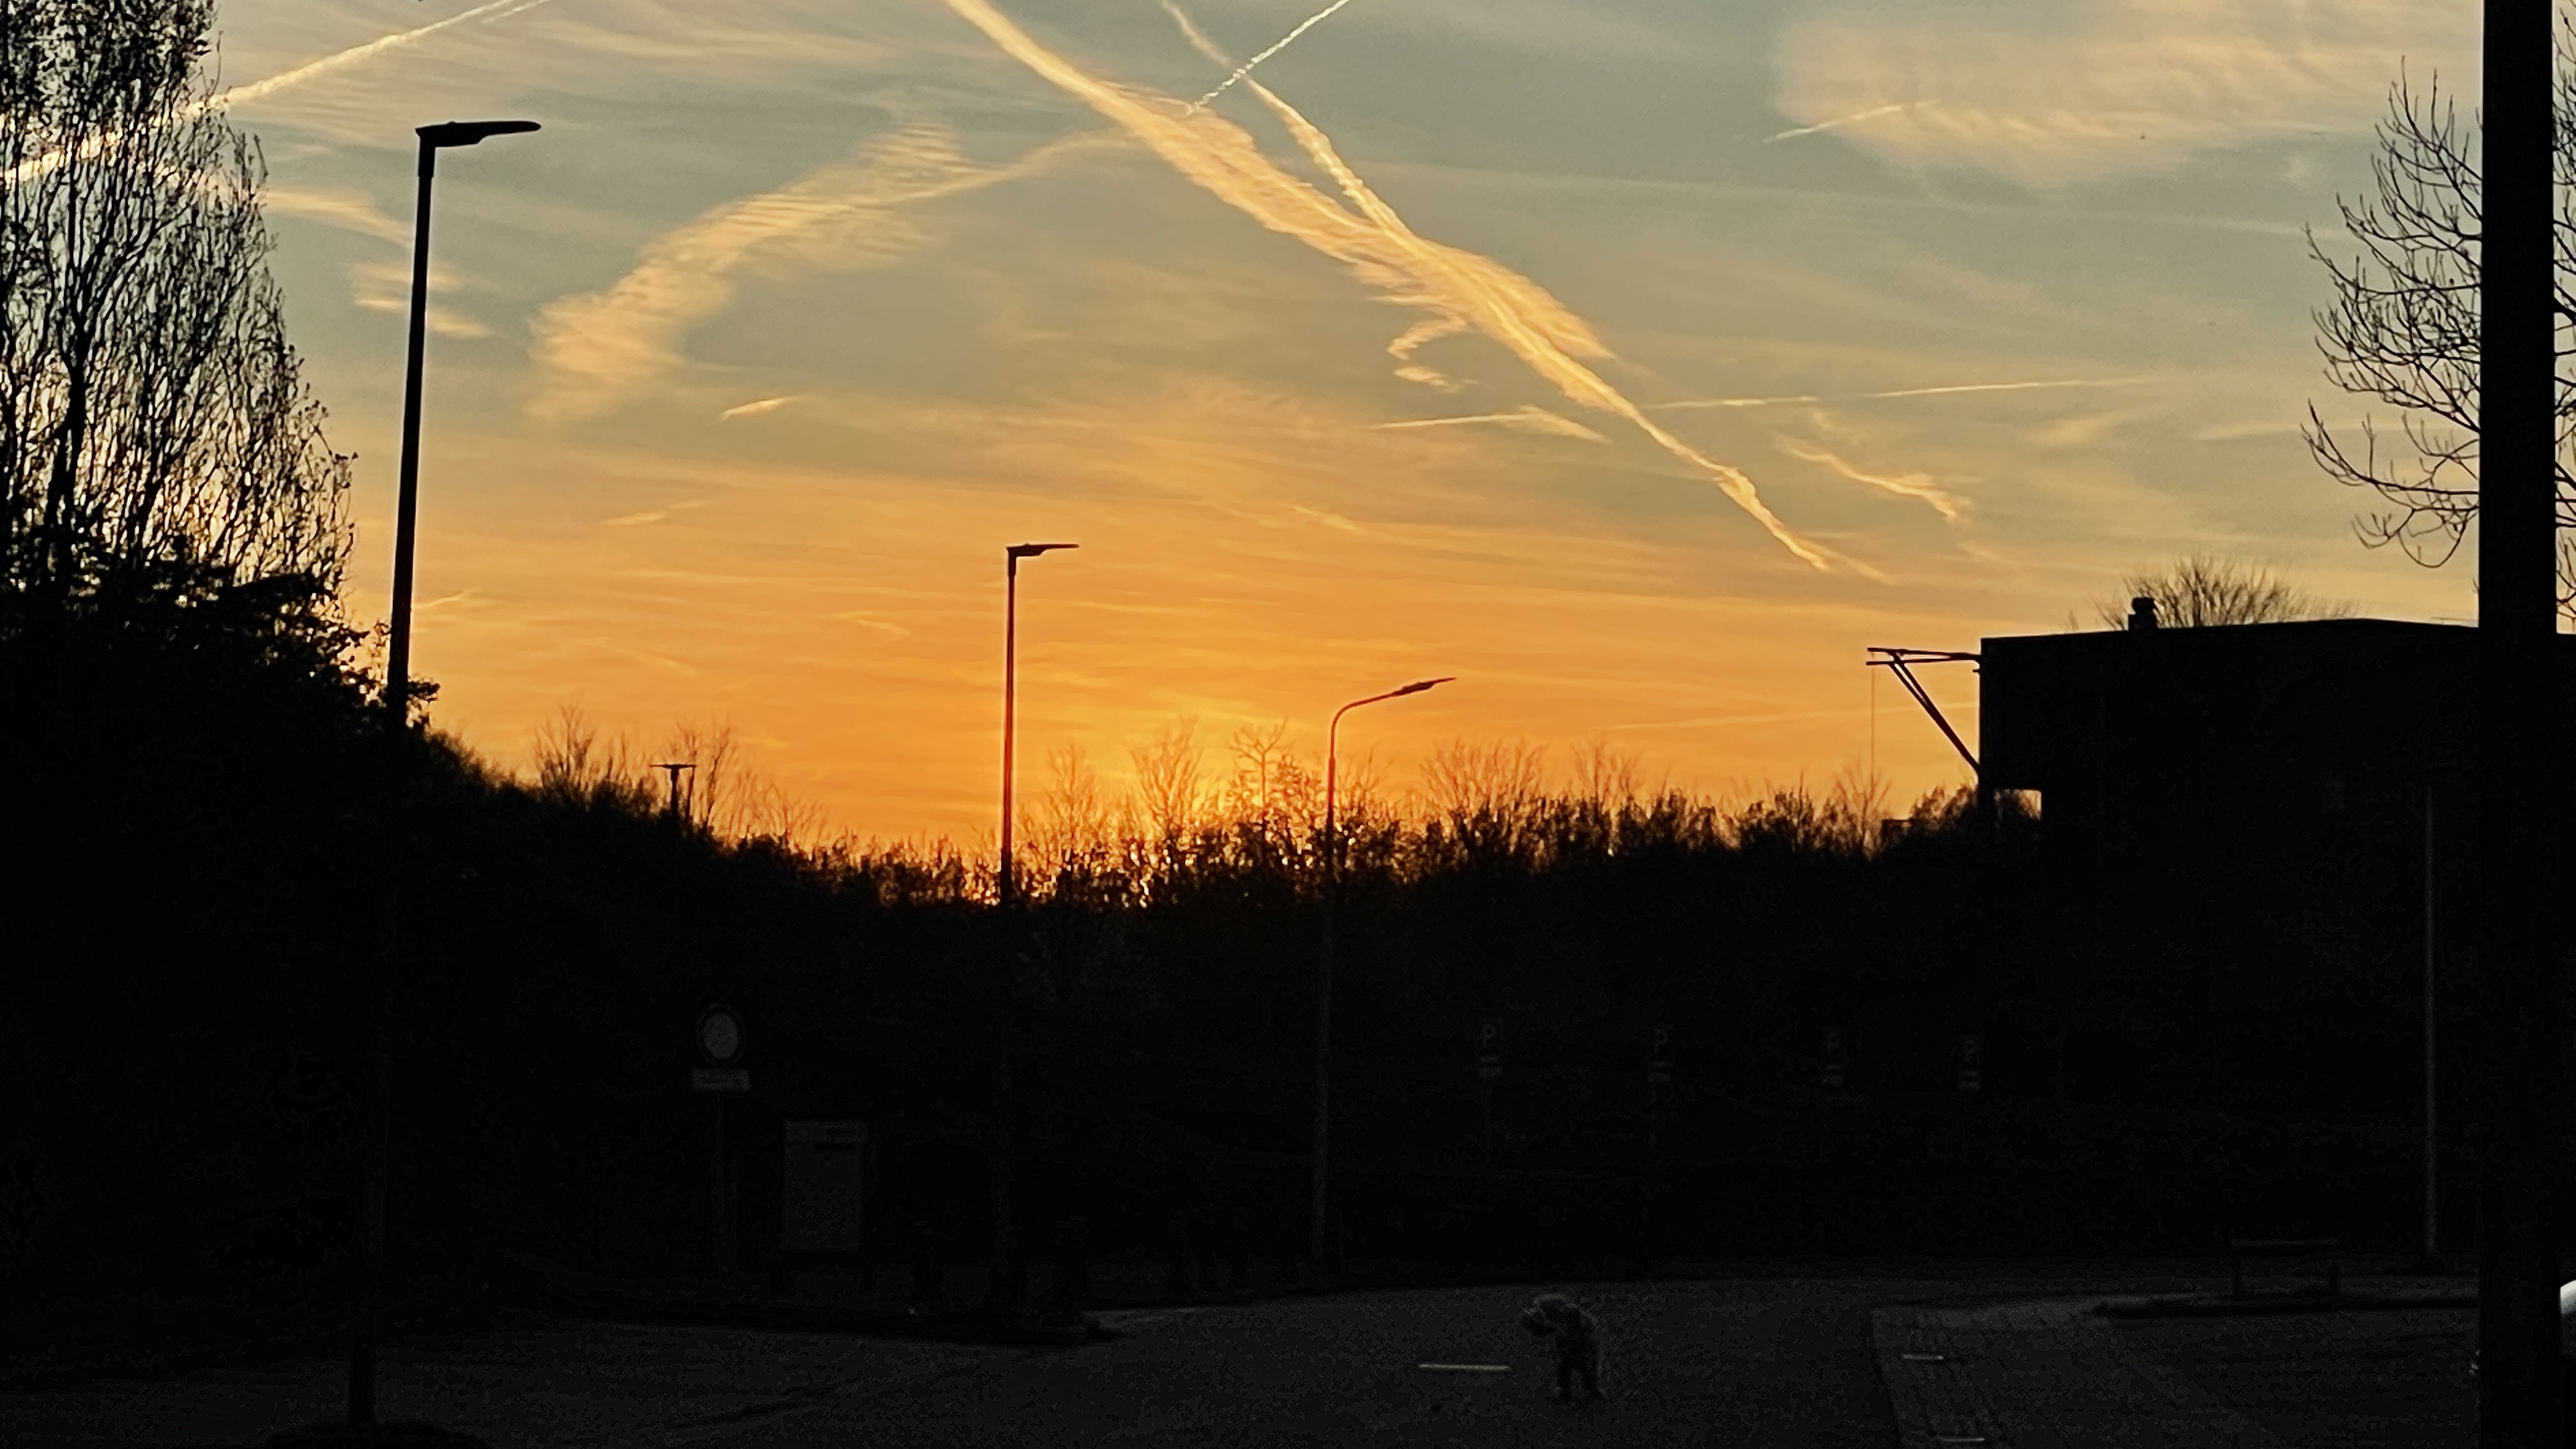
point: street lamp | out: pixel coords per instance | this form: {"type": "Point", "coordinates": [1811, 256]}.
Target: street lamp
{"type": "Point", "coordinates": [407, 502]}
{"type": "Point", "coordinates": [397, 699]}
{"type": "Point", "coordinates": [1006, 892]}
{"type": "Point", "coordinates": [1011, 557]}
{"type": "Point", "coordinates": [1324, 962]}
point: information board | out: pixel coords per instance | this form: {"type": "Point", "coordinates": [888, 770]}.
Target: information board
{"type": "Point", "coordinates": [826, 1186]}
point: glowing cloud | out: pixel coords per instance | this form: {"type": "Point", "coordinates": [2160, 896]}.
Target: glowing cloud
{"type": "Point", "coordinates": [595, 350]}
{"type": "Point", "coordinates": [1459, 289]}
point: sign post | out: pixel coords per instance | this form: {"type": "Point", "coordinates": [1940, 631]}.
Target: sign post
{"type": "Point", "coordinates": [720, 1073]}
{"type": "Point", "coordinates": [1659, 1074]}
{"type": "Point", "coordinates": [1972, 1059]}
{"type": "Point", "coordinates": [1489, 1067]}
{"type": "Point", "coordinates": [1837, 1056]}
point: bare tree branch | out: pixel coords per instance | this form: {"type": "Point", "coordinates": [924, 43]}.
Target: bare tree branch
{"type": "Point", "coordinates": [2403, 328]}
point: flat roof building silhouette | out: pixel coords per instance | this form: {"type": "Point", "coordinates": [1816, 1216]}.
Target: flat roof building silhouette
{"type": "Point", "coordinates": [2232, 829]}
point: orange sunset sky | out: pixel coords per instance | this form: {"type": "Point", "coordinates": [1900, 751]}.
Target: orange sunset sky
{"type": "Point", "coordinates": [1636, 361]}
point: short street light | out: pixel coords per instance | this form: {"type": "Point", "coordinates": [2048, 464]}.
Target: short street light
{"type": "Point", "coordinates": [1324, 963]}
{"type": "Point", "coordinates": [1006, 889]}
{"type": "Point", "coordinates": [1011, 557]}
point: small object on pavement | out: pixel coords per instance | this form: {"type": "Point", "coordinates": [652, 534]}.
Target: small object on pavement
{"type": "Point", "coordinates": [1578, 1341]}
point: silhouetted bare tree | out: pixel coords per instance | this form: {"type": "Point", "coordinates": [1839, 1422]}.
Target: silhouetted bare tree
{"type": "Point", "coordinates": [152, 416]}
{"type": "Point", "coordinates": [2204, 590]}
{"type": "Point", "coordinates": [2403, 328]}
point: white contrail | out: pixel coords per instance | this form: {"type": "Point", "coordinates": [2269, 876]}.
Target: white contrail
{"type": "Point", "coordinates": [1245, 69]}
{"type": "Point", "coordinates": [45, 164]}
{"type": "Point", "coordinates": [494, 10]}
{"type": "Point", "coordinates": [1524, 418]}
{"type": "Point", "coordinates": [1838, 122]}
{"type": "Point", "coordinates": [2005, 386]}
{"type": "Point", "coordinates": [1690, 404]}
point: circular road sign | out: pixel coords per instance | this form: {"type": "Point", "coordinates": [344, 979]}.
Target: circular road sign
{"type": "Point", "coordinates": [719, 1036]}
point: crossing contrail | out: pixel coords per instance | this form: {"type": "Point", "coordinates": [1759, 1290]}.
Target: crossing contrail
{"type": "Point", "coordinates": [1245, 69]}
{"type": "Point", "coordinates": [1456, 290]}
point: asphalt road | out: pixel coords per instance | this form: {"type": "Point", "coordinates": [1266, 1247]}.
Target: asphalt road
{"type": "Point", "coordinates": [1771, 1361]}
{"type": "Point", "coordinates": [1780, 1363]}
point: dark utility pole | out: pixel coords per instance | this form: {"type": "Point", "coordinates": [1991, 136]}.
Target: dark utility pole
{"type": "Point", "coordinates": [2519, 1377]}
{"type": "Point", "coordinates": [376, 1166]}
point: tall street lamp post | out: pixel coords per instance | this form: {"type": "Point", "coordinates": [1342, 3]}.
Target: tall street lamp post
{"type": "Point", "coordinates": [1006, 890]}
{"type": "Point", "coordinates": [397, 706]}
{"type": "Point", "coordinates": [1324, 964]}
{"type": "Point", "coordinates": [433, 139]}
{"type": "Point", "coordinates": [2521, 998]}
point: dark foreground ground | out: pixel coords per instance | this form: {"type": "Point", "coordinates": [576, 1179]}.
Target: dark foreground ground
{"type": "Point", "coordinates": [1761, 1357]}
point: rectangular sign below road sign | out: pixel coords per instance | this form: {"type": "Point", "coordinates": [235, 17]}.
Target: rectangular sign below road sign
{"type": "Point", "coordinates": [826, 1187]}
{"type": "Point", "coordinates": [720, 1079]}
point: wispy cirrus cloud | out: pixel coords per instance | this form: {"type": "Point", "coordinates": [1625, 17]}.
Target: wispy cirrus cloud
{"type": "Point", "coordinates": [597, 350]}
{"type": "Point", "coordinates": [1943, 390]}
{"type": "Point", "coordinates": [1918, 486]}
{"type": "Point", "coordinates": [1459, 290]}
{"type": "Point", "coordinates": [2058, 91]}
{"type": "Point", "coordinates": [345, 209]}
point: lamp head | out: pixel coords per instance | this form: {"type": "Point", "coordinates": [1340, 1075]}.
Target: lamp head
{"type": "Point", "coordinates": [1032, 550]}
{"type": "Point", "coordinates": [470, 133]}
{"type": "Point", "coordinates": [1419, 685]}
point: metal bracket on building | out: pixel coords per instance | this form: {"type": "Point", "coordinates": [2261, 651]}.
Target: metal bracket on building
{"type": "Point", "coordinates": [1901, 662]}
